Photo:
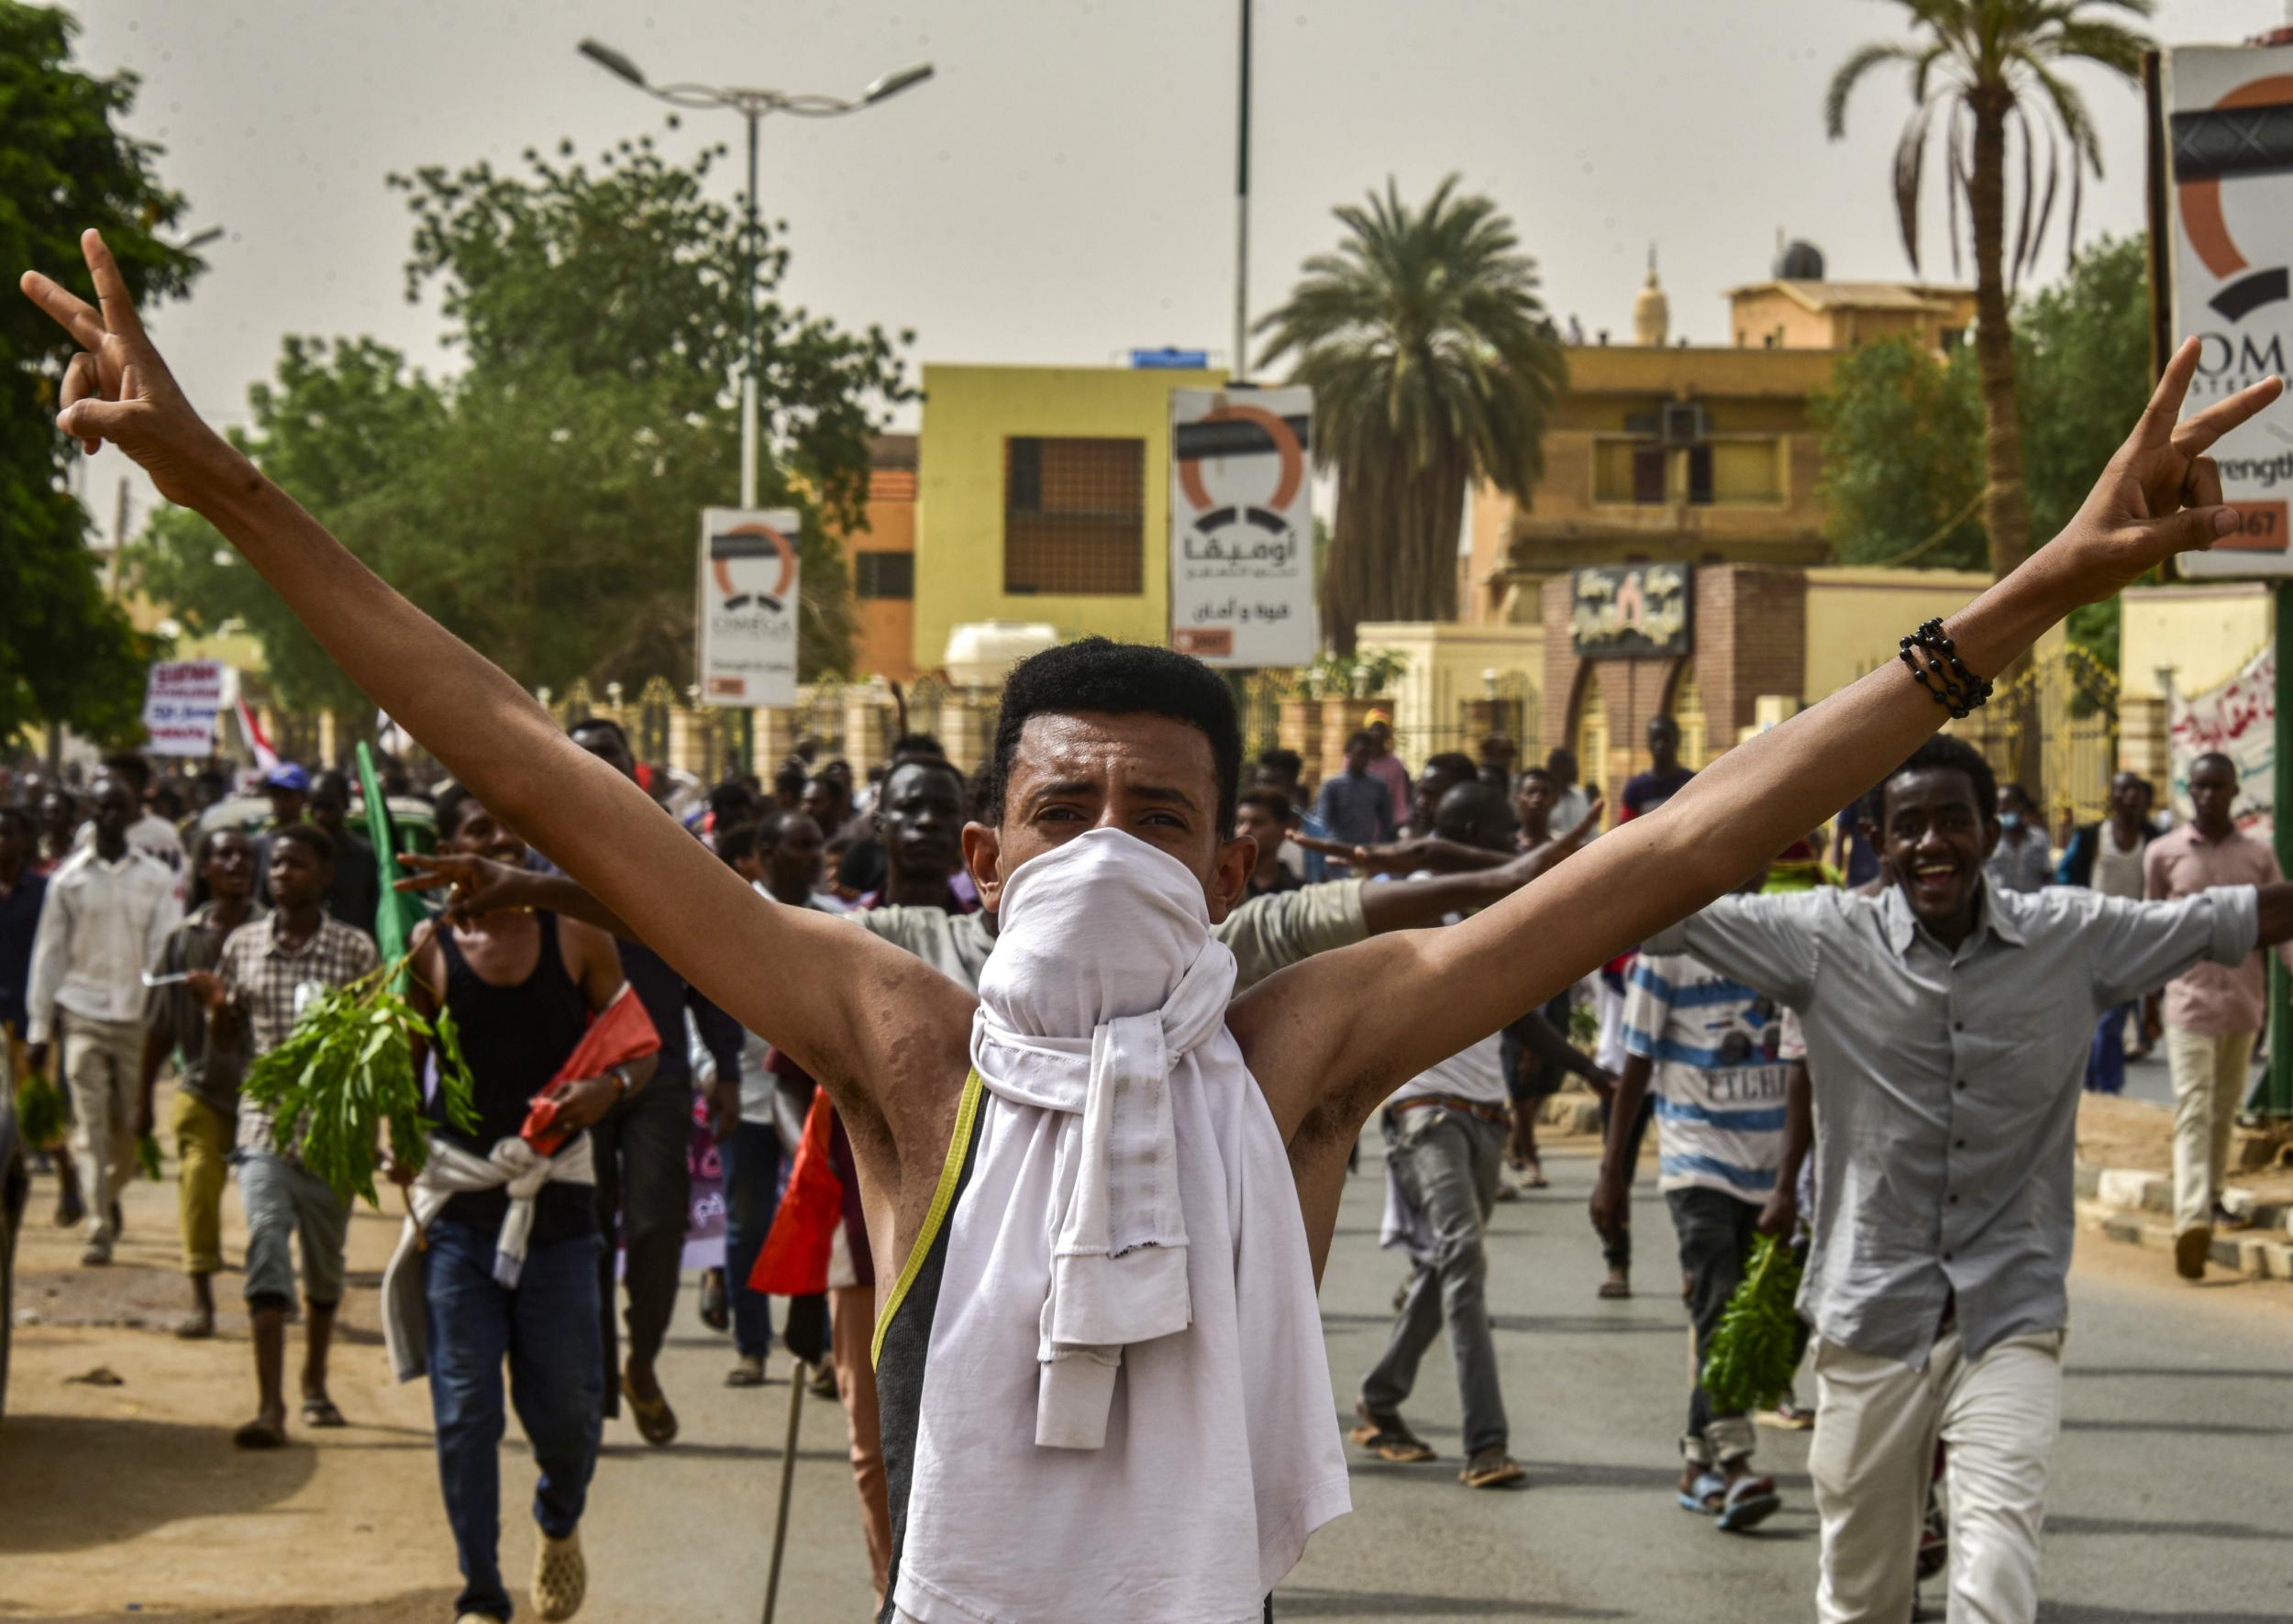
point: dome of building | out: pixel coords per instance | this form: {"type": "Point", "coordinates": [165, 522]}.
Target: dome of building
{"type": "Point", "coordinates": [1652, 311]}
{"type": "Point", "coordinates": [1800, 261]}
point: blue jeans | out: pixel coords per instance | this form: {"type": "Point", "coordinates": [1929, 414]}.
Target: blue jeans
{"type": "Point", "coordinates": [548, 1329]}
{"type": "Point", "coordinates": [2106, 1061]}
{"type": "Point", "coordinates": [752, 1194]}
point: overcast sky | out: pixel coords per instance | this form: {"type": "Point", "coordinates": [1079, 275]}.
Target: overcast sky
{"type": "Point", "coordinates": [1064, 189]}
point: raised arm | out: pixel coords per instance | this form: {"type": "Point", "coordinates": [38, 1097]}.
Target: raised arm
{"type": "Point", "coordinates": [1337, 1054]}
{"type": "Point", "coordinates": [864, 1017]}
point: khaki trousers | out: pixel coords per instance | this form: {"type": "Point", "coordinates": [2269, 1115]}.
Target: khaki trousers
{"type": "Point", "coordinates": [203, 1152]}
{"type": "Point", "coordinates": [852, 1317]}
{"type": "Point", "coordinates": [100, 1060]}
{"type": "Point", "coordinates": [1876, 1424]}
{"type": "Point", "coordinates": [2210, 1071]}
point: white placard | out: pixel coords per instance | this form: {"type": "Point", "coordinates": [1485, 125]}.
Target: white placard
{"type": "Point", "coordinates": [1242, 527]}
{"type": "Point", "coordinates": [2229, 143]}
{"type": "Point", "coordinates": [747, 642]}
{"type": "Point", "coordinates": [181, 701]}
{"type": "Point", "coordinates": [2237, 719]}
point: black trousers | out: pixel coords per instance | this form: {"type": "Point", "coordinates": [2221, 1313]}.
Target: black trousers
{"type": "Point", "coordinates": [1616, 1244]}
{"type": "Point", "coordinates": [1716, 1232]}
{"type": "Point", "coordinates": [643, 1189]}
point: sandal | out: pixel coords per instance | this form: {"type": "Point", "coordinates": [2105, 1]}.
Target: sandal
{"type": "Point", "coordinates": [749, 1372]}
{"type": "Point", "coordinates": [321, 1412]}
{"type": "Point", "coordinates": [1616, 1286]}
{"type": "Point", "coordinates": [1491, 1468]}
{"type": "Point", "coordinates": [1389, 1438]}
{"type": "Point", "coordinates": [656, 1423]}
{"type": "Point", "coordinates": [260, 1434]}
{"type": "Point", "coordinates": [716, 1308]}
{"type": "Point", "coordinates": [1708, 1493]}
{"type": "Point", "coordinates": [1750, 1502]}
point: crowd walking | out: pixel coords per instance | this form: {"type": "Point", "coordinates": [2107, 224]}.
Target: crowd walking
{"type": "Point", "coordinates": [1088, 1077]}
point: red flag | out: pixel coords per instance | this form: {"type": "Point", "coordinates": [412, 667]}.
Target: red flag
{"type": "Point", "coordinates": [620, 1032]}
{"type": "Point", "coordinates": [794, 1260]}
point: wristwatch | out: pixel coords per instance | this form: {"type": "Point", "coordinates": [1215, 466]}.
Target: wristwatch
{"type": "Point", "coordinates": [621, 1084]}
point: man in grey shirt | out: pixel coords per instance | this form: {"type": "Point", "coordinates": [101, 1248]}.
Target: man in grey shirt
{"type": "Point", "coordinates": [1948, 1024]}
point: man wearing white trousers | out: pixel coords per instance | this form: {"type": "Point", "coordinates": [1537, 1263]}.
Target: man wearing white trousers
{"type": "Point", "coordinates": [2213, 1012]}
{"type": "Point", "coordinates": [107, 914]}
{"type": "Point", "coordinates": [1947, 1027]}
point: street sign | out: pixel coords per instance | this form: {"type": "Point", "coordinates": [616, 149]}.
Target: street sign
{"type": "Point", "coordinates": [746, 645]}
{"type": "Point", "coordinates": [1242, 527]}
{"type": "Point", "coordinates": [2230, 173]}
{"type": "Point", "coordinates": [1177, 360]}
{"type": "Point", "coordinates": [181, 701]}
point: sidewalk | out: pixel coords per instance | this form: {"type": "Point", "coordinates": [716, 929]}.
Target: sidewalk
{"type": "Point", "coordinates": [2125, 1190]}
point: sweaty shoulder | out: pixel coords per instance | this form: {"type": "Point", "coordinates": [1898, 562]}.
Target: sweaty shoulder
{"type": "Point", "coordinates": [1273, 932]}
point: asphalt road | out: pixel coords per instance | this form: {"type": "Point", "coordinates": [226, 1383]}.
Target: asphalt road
{"type": "Point", "coordinates": [2171, 1497]}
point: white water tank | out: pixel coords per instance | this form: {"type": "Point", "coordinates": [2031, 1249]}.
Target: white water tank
{"type": "Point", "coordinates": [981, 652]}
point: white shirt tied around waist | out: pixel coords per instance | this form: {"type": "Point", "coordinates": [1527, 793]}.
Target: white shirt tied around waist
{"type": "Point", "coordinates": [1127, 1408]}
{"type": "Point", "coordinates": [513, 1165]}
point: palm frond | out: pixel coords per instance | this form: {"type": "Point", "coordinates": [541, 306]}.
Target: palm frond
{"type": "Point", "coordinates": [1910, 160]}
{"type": "Point", "coordinates": [1843, 83]}
{"type": "Point", "coordinates": [2111, 44]}
{"type": "Point", "coordinates": [2018, 120]}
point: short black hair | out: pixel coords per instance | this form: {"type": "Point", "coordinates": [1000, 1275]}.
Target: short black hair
{"type": "Point", "coordinates": [603, 724]}
{"type": "Point", "coordinates": [1471, 811]}
{"type": "Point", "coordinates": [1273, 802]}
{"type": "Point", "coordinates": [1120, 679]}
{"type": "Point", "coordinates": [2223, 756]}
{"type": "Point", "coordinates": [1360, 741]}
{"type": "Point", "coordinates": [788, 779]}
{"type": "Point", "coordinates": [127, 765]}
{"type": "Point", "coordinates": [739, 841]}
{"type": "Point", "coordinates": [309, 835]}
{"type": "Point", "coordinates": [915, 744]}
{"type": "Point", "coordinates": [451, 808]}
{"type": "Point", "coordinates": [1288, 763]}
{"type": "Point", "coordinates": [1535, 771]}
{"type": "Point", "coordinates": [939, 764]}
{"type": "Point", "coordinates": [1945, 754]}
{"type": "Point", "coordinates": [1454, 762]}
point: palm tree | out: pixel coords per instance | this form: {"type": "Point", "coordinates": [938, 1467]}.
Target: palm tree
{"type": "Point", "coordinates": [1432, 366]}
{"type": "Point", "coordinates": [1991, 68]}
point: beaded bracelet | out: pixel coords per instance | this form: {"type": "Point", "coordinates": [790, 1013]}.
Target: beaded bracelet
{"type": "Point", "coordinates": [1938, 669]}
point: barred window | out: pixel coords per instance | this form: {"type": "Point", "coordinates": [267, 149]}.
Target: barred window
{"type": "Point", "coordinates": [884, 575]}
{"type": "Point", "coordinates": [1074, 516]}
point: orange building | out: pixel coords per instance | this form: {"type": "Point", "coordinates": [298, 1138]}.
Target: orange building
{"type": "Point", "coordinates": [883, 560]}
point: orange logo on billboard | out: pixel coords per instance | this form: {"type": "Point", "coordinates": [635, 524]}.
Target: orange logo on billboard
{"type": "Point", "coordinates": [2243, 133]}
{"type": "Point", "coordinates": [730, 549]}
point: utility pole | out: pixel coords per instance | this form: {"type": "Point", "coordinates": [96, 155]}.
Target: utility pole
{"type": "Point", "coordinates": [1240, 368]}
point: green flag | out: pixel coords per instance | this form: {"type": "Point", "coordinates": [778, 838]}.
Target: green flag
{"type": "Point", "coordinates": [395, 920]}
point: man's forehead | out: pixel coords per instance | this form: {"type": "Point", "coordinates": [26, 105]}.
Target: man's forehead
{"type": "Point", "coordinates": [1930, 786]}
{"type": "Point", "coordinates": [1090, 744]}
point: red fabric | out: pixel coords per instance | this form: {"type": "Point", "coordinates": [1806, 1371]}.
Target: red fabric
{"type": "Point", "coordinates": [794, 1260]}
{"type": "Point", "coordinates": [623, 1032]}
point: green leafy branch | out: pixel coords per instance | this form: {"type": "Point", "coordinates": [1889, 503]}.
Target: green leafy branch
{"type": "Point", "coordinates": [345, 1076]}
{"type": "Point", "coordinates": [1755, 1349]}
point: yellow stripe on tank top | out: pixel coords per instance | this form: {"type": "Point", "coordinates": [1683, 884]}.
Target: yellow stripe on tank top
{"type": "Point", "coordinates": [942, 1202]}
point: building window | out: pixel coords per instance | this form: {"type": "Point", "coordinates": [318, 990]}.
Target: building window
{"type": "Point", "coordinates": [1735, 472]}
{"type": "Point", "coordinates": [884, 575]}
{"type": "Point", "coordinates": [1074, 516]}
{"type": "Point", "coordinates": [1952, 337]}
{"type": "Point", "coordinates": [1628, 471]}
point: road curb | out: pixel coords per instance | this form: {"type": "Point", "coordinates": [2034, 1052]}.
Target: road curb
{"type": "Point", "coordinates": [2136, 1208]}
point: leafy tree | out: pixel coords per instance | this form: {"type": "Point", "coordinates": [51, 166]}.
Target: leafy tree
{"type": "Point", "coordinates": [1433, 366]}
{"type": "Point", "coordinates": [67, 653]}
{"type": "Point", "coordinates": [1992, 70]}
{"type": "Point", "coordinates": [544, 505]}
{"type": "Point", "coordinates": [1902, 430]}
{"type": "Point", "coordinates": [1901, 433]}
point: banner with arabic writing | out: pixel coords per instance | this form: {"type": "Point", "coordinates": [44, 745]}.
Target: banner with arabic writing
{"type": "Point", "coordinates": [2239, 720]}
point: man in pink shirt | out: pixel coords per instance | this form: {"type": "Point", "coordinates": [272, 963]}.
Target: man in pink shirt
{"type": "Point", "coordinates": [1386, 764]}
{"type": "Point", "coordinates": [2212, 1012]}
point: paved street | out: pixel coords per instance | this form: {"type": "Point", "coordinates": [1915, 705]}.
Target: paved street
{"type": "Point", "coordinates": [2171, 1502]}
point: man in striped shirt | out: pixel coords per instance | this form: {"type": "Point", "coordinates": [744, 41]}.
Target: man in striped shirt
{"type": "Point", "coordinates": [1706, 1047]}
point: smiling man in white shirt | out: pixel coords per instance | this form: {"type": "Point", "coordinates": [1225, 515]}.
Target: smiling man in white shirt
{"type": "Point", "coordinates": [108, 911]}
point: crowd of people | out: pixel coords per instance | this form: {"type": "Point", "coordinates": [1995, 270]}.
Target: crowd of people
{"type": "Point", "coordinates": [1095, 1363]}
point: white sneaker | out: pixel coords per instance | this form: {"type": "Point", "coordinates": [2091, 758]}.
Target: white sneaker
{"type": "Point", "coordinates": [560, 1576]}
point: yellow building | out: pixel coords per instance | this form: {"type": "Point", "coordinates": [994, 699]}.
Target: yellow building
{"type": "Point", "coordinates": [1691, 454]}
{"type": "Point", "coordinates": [1044, 494]}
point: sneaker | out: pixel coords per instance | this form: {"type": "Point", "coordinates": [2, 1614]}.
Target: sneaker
{"type": "Point", "coordinates": [560, 1576]}
{"type": "Point", "coordinates": [2191, 1248]}
{"type": "Point", "coordinates": [98, 1252]}
{"type": "Point", "coordinates": [1491, 1468]}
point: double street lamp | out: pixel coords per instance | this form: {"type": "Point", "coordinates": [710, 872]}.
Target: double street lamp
{"type": "Point", "coordinates": [753, 106]}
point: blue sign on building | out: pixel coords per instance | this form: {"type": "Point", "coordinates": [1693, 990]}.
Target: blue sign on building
{"type": "Point", "coordinates": [1192, 360]}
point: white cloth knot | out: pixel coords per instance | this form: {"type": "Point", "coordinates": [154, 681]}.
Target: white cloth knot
{"type": "Point", "coordinates": [1105, 978]}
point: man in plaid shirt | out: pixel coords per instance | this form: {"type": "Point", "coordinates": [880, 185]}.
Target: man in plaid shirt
{"type": "Point", "coordinates": [252, 999]}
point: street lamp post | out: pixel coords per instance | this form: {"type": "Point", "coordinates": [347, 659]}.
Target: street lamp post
{"type": "Point", "coordinates": [752, 106]}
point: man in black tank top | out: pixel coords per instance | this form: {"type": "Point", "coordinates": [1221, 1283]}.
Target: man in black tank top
{"type": "Point", "coordinates": [521, 987]}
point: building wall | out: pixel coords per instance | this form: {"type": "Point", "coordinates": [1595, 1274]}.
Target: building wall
{"type": "Point", "coordinates": [884, 643]}
{"type": "Point", "coordinates": [2203, 630]}
{"type": "Point", "coordinates": [1856, 617]}
{"type": "Point", "coordinates": [968, 414]}
{"type": "Point", "coordinates": [1449, 665]}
